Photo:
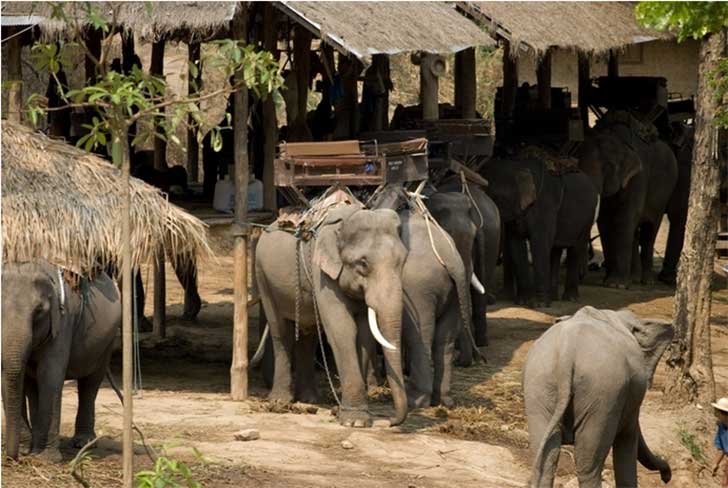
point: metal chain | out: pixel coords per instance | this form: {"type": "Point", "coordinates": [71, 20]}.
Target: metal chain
{"type": "Point", "coordinates": [298, 287]}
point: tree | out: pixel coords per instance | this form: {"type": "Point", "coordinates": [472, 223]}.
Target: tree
{"type": "Point", "coordinates": [690, 365]}
{"type": "Point", "coordinates": [120, 99]}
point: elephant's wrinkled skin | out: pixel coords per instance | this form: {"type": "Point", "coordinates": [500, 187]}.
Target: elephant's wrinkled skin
{"type": "Point", "coordinates": [553, 212]}
{"type": "Point", "coordinates": [486, 249]}
{"type": "Point", "coordinates": [571, 398]}
{"type": "Point", "coordinates": [353, 264]}
{"type": "Point", "coordinates": [43, 345]}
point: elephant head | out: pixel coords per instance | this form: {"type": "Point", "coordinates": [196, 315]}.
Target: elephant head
{"type": "Point", "coordinates": [513, 189]}
{"type": "Point", "coordinates": [31, 316]}
{"type": "Point", "coordinates": [361, 250]}
{"type": "Point", "coordinates": [610, 163]}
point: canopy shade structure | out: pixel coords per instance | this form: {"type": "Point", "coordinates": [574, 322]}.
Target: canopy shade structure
{"type": "Point", "coordinates": [591, 27]}
{"type": "Point", "coordinates": [62, 204]}
{"type": "Point", "coordinates": [362, 29]}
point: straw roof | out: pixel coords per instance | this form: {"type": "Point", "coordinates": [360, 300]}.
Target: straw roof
{"type": "Point", "coordinates": [592, 27]}
{"type": "Point", "coordinates": [63, 204]}
{"type": "Point", "coordinates": [366, 28]}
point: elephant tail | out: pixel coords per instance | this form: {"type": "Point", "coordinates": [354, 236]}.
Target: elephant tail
{"type": "Point", "coordinates": [548, 449]}
{"type": "Point", "coordinates": [114, 386]}
{"type": "Point", "coordinates": [261, 348]}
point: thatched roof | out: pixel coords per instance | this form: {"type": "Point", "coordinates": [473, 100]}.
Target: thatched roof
{"type": "Point", "coordinates": [366, 28]}
{"type": "Point", "coordinates": [592, 27]}
{"type": "Point", "coordinates": [63, 204]}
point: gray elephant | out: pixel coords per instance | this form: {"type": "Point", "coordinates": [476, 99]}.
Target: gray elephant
{"type": "Point", "coordinates": [553, 211]}
{"type": "Point", "coordinates": [353, 268]}
{"type": "Point", "coordinates": [52, 333]}
{"type": "Point", "coordinates": [486, 249]}
{"type": "Point", "coordinates": [436, 289]}
{"type": "Point", "coordinates": [572, 399]}
{"type": "Point", "coordinates": [635, 174]}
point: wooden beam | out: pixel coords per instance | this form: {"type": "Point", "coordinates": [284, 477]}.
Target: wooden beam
{"type": "Point", "coordinates": [510, 81]}
{"type": "Point", "coordinates": [15, 79]}
{"type": "Point", "coordinates": [193, 84]}
{"type": "Point", "coordinates": [613, 67]}
{"type": "Point", "coordinates": [429, 87]}
{"type": "Point", "coordinates": [465, 82]}
{"type": "Point", "coordinates": [584, 86]}
{"type": "Point", "coordinates": [543, 74]}
{"type": "Point", "coordinates": [239, 366]}
{"type": "Point", "coordinates": [270, 122]}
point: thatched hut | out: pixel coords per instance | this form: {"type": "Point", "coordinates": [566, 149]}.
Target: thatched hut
{"type": "Point", "coordinates": [61, 203]}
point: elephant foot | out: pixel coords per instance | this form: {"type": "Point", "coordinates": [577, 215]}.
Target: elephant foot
{"type": "Point", "coordinates": [445, 401]}
{"type": "Point", "coordinates": [490, 299]}
{"type": "Point", "coordinates": [464, 360]}
{"type": "Point", "coordinates": [612, 282]}
{"type": "Point", "coordinates": [308, 395]}
{"type": "Point", "coordinates": [280, 395]}
{"type": "Point", "coordinates": [539, 303]}
{"type": "Point", "coordinates": [571, 296]}
{"type": "Point", "coordinates": [350, 417]}
{"type": "Point", "coordinates": [667, 277]}
{"type": "Point", "coordinates": [481, 336]}
{"type": "Point", "coordinates": [49, 455]}
{"type": "Point", "coordinates": [192, 307]}
{"type": "Point", "coordinates": [80, 440]}
{"type": "Point", "coordinates": [417, 399]}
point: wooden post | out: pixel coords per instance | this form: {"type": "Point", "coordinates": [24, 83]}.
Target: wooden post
{"type": "Point", "coordinates": [465, 83]}
{"type": "Point", "coordinates": [270, 122]}
{"type": "Point", "coordinates": [127, 51]}
{"type": "Point", "coordinates": [302, 68]}
{"type": "Point", "coordinates": [613, 67]}
{"type": "Point", "coordinates": [543, 74]}
{"type": "Point", "coordinates": [380, 63]}
{"type": "Point", "coordinates": [347, 113]}
{"type": "Point", "coordinates": [429, 86]}
{"type": "Point", "coordinates": [193, 85]}
{"type": "Point", "coordinates": [239, 367]}
{"type": "Point", "coordinates": [156, 68]}
{"type": "Point", "coordinates": [15, 79]}
{"type": "Point", "coordinates": [93, 43]}
{"type": "Point", "coordinates": [584, 87]}
{"type": "Point", "coordinates": [510, 81]}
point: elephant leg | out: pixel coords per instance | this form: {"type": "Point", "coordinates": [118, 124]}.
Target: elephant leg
{"type": "Point", "coordinates": [509, 285]}
{"type": "Point", "coordinates": [304, 356]}
{"type": "Point", "coordinates": [574, 258]}
{"type": "Point", "coordinates": [541, 251]}
{"type": "Point", "coordinates": [556, 254]}
{"type": "Point", "coordinates": [29, 410]}
{"type": "Point", "coordinates": [636, 267]}
{"type": "Point", "coordinates": [46, 422]}
{"type": "Point", "coordinates": [443, 354]}
{"type": "Point", "coordinates": [367, 351]}
{"type": "Point", "coordinates": [648, 232]}
{"type": "Point", "coordinates": [618, 273]}
{"type": "Point", "coordinates": [282, 334]}
{"type": "Point", "coordinates": [521, 269]}
{"type": "Point", "coordinates": [480, 302]}
{"type": "Point", "coordinates": [419, 335]}
{"type": "Point", "coordinates": [675, 240]}
{"type": "Point", "coordinates": [624, 455]}
{"type": "Point", "coordinates": [538, 416]}
{"type": "Point", "coordinates": [186, 271]}
{"type": "Point", "coordinates": [605, 236]}
{"type": "Point", "coordinates": [88, 388]}
{"type": "Point", "coordinates": [592, 441]}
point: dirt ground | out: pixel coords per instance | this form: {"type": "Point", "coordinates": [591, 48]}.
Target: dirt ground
{"type": "Point", "coordinates": [482, 441]}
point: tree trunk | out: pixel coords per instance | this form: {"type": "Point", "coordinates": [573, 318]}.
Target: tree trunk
{"type": "Point", "coordinates": [690, 366]}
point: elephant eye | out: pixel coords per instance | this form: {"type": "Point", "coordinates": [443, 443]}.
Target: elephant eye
{"type": "Point", "coordinates": [362, 266]}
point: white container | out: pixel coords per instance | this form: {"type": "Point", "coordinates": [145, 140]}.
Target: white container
{"type": "Point", "coordinates": [255, 194]}
{"type": "Point", "coordinates": [223, 199]}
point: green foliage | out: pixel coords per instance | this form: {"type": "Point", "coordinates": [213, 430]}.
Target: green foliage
{"type": "Point", "coordinates": [121, 99]}
{"type": "Point", "coordinates": [686, 19]}
{"type": "Point", "coordinates": [690, 442]}
{"type": "Point", "coordinates": [169, 473]}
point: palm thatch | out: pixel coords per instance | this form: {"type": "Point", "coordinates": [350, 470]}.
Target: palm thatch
{"type": "Point", "coordinates": [63, 204]}
{"type": "Point", "coordinates": [591, 27]}
{"type": "Point", "coordinates": [367, 28]}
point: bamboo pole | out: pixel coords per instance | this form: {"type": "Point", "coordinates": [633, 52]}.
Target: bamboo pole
{"type": "Point", "coordinates": [465, 82]}
{"type": "Point", "coordinates": [193, 148]}
{"type": "Point", "coordinates": [543, 74]}
{"type": "Point", "coordinates": [239, 367]}
{"type": "Point", "coordinates": [15, 79]}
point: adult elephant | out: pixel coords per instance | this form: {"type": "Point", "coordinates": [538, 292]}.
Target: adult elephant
{"type": "Point", "coordinates": [352, 267]}
{"type": "Point", "coordinates": [52, 333]}
{"type": "Point", "coordinates": [572, 399]}
{"type": "Point", "coordinates": [553, 211]}
{"type": "Point", "coordinates": [436, 285]}
{"type": "Point", "coordinates": [635, 174]}
{"type": "Point", "coordinates": [483, 212]}
{"type": "Point", "coordinates": [677, 206]}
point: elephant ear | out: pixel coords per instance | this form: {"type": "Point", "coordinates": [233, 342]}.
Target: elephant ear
{"type": "Point", "coordinates": [526, 188]}
{"type": "Point", "coordinates": [326, 253]}
{"type": "Point", "coordinates": [630, 166]}
{"type": "Point", "coordinates": [652, 335]}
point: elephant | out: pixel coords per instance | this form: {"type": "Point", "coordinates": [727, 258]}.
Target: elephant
{"type": "Point", "coordinates": [51, 333]}
{"type": "Point", "coordinates": [677, 206]}
{"type": "Point", "coordinates": [571, 398]}
{"type": "Point", "coordinates": [352, 268]}
{"type": "Point", "coordinates": [553, 211]}
{"type": "Point", "coordinates": [635, 177]}
{"type": "Point", "coordinates": [436, 286]}
{"type": "Point", "coordinates": [484, 213]}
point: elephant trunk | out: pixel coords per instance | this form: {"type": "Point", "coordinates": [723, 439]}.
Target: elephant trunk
{"type": "Point", "coordinates": [385, 316]}
{"type": "Point", "coordinates": [14, 360]}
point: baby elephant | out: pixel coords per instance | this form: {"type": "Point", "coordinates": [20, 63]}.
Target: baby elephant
{"type": "Point", "coordinates": [583, 383]}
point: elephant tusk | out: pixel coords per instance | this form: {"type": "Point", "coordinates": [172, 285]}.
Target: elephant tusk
{"type": "Point", "coordinates": [475, 283]}
{"type": "Point", "coordinates": [374, 327]}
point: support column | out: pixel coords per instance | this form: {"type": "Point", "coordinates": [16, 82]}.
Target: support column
{"type": "Point", "coordinates": [302, 38]}
{"type": "Point", "coordinates": [15, 79]}
{"type": "Point", "coordinates": [465, 82]}
{"type": "Point", "coordinates": [159, 319]}
{"type": "Point", "coordinates": [193, 85]}
{"type": "Point", "coordinates": [429, 86]}
{"type": "Point", "coordinates": [543, 74]}
{"type": "Point", "coordinates": [613, 67]}
{"type": "Point", "coordinates": [239, 366]}
{"type": "Point", "coordinates": [346, 109]}
{"type": "Point", "coordinates": [127, 51]}
{"type": "Point", "coordinates": [93, 43]}
{"type": "Point", "coordinates": [270, 122]}
{"type": "Point", "coordinates": [381, 108]}
{"type": "Point", "coordinates": [584, 86]}
{"type": "Point", "coordinates": [510, 82]}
